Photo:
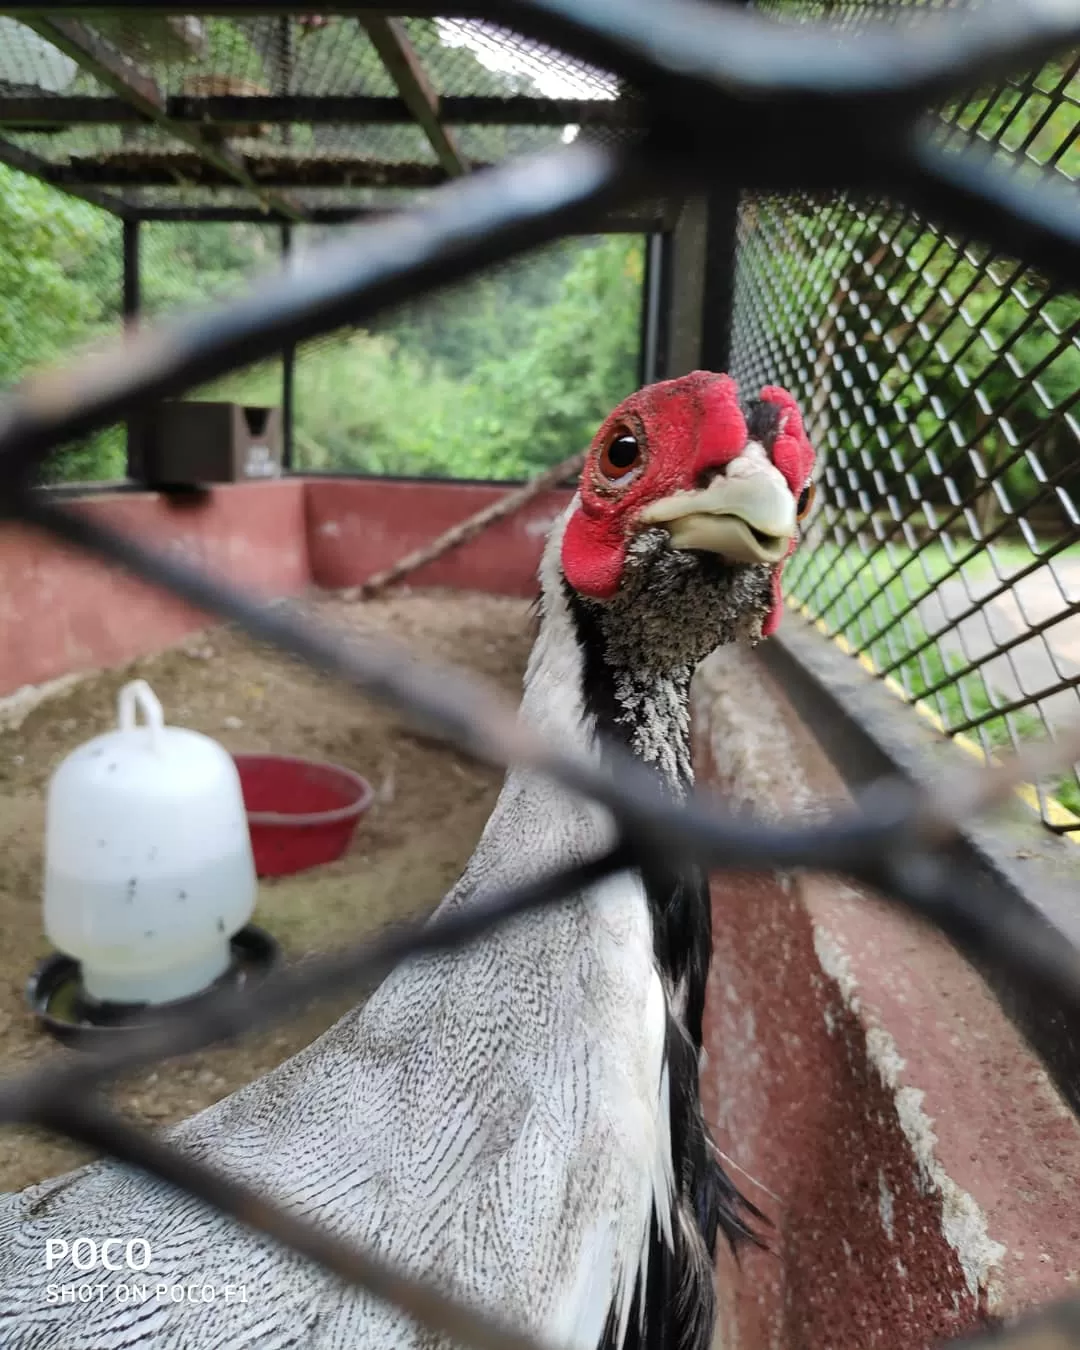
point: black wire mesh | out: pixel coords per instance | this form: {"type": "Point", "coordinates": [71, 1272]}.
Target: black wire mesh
{"type": "Point", "coordinates": [498, 60]}
{"type": "Point", "coordinates": [812, 114]}
{"type": "Point", "coordinates": [942, 381]}
{"type": "Point", "coordinates": [31, 66]}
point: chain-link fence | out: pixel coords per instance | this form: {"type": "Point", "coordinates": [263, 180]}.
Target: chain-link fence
{"type": "Point", "coordinates": [797, 111]}
{"type": "Point", "coordinates": [941, 380]}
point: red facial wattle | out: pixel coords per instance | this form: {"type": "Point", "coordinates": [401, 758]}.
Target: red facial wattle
{"type": "Point", "coordinates": [688, 429]}
{"type": "Point", "coordinates": [793, 455]}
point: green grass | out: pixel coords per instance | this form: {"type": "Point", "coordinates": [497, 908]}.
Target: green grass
{"type": "Point", "coordinates": [859, 599]}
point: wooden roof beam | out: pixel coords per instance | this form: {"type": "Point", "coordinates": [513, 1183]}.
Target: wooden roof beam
{"type": "Point", "coordinates": [120, 75]}
{"type": "Point", "coordinates": [391, 40]}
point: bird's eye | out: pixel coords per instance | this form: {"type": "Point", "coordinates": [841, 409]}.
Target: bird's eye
{"type": "Point", "coordinates": [620, 456]}
{"type": "Point", "coordinates": [805, 502]}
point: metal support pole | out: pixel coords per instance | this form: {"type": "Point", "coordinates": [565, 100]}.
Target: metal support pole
{"type": "Point", "coordinates": [132, 296]}
{"type": "Point", "coordinates": [655, 309]}
{"type": "Point", "coordinates": [718, 281]}
{"type": "Point", "coordinates": [718, 298]}
{"type": "Point", "coordinates": [131, 304]}
{"type": "Point", "coordinates": [288, 372]}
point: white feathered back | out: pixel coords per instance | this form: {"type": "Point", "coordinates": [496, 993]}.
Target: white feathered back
{"type": "Point", "coordinates": [495, 1119]}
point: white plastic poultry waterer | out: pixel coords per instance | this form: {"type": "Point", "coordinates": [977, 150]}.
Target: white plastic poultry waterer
{"type": "Point", "coordinates": [148, 863]}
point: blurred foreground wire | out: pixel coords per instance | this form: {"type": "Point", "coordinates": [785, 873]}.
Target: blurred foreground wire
{"type": "Point", "coordinates": [789, 108]}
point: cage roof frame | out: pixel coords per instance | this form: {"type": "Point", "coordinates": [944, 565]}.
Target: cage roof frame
{"type": "Point", "coordinates": [130, 121]}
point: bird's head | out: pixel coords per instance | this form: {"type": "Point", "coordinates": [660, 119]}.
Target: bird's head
{"type": "Point", "coordinates": [689, 503]}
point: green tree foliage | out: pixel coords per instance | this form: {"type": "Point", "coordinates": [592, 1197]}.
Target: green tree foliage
{"type": "Point", "coordinates": [59, 278]}
{"type": "Point", "coordinates": [544, 400]}
{"type": "Point", "coordinates": [505, 376]}
{"type": "Point", "coordinates": [493, 379]}
{"type": "Point", "coordinates": [185, 266]}
{"type": "Point", "coordinates": [59, 268]}
{"type": "Point", "coordinates": [496, 379]}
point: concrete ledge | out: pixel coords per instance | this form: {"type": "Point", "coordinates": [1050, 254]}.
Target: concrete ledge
{"type": "Point", "coordinates": [866, 731]}
{"type": "Point", "coordinates": [918, 1160]}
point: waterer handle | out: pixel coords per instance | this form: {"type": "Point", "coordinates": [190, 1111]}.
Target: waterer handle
{"type": "Point", "coordinates": [136, 695]}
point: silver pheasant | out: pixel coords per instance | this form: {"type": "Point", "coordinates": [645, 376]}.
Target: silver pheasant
{"type": "Point", "coordinates": [519, 1120]}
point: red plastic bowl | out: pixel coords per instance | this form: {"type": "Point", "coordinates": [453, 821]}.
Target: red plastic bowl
{"type": "Point", "coordinates": [300, 813]}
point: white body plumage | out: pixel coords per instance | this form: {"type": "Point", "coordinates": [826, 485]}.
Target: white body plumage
{"type": "Point", "coordinates": [495, 1119]}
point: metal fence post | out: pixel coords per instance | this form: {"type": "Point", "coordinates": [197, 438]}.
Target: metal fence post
{"type": "Point", "coordinates": [687, 247]}
{"type": "Point", "coordinates": [131, 305]}
{"type": "Point", "coordinates": [288, 371]}
{"type": "Point", "coordinates": [655, 308]}
{"type": "Point", "coordinates": [718, 282]}
{"type": "Point", "coordinates": [702, 285]}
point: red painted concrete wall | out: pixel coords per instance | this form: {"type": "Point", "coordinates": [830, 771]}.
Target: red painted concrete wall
{"type": "Point", "coordinates": [357, 527]}
{"type": "Point", "coordinates": [62, 612]}
{"type": "Point", "coordinates": [917, 1162]}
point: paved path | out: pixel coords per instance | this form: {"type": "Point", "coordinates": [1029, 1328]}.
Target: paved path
{"type": "Point", "coordinates": [1029, 666]}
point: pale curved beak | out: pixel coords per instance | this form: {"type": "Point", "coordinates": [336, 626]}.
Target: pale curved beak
{"type": "Point", "coordinates": [747, 519]}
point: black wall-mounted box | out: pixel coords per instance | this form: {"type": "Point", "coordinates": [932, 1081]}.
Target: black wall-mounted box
{"type": "Point", "coordinates": [186, 444]}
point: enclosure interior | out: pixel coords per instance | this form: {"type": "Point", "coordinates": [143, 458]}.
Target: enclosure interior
{"type": "Point", "coordinates": [942, 558]}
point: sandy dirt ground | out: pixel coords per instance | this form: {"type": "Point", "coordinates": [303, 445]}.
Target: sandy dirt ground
{"type": "Point", "coordinates": [430, 807]}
